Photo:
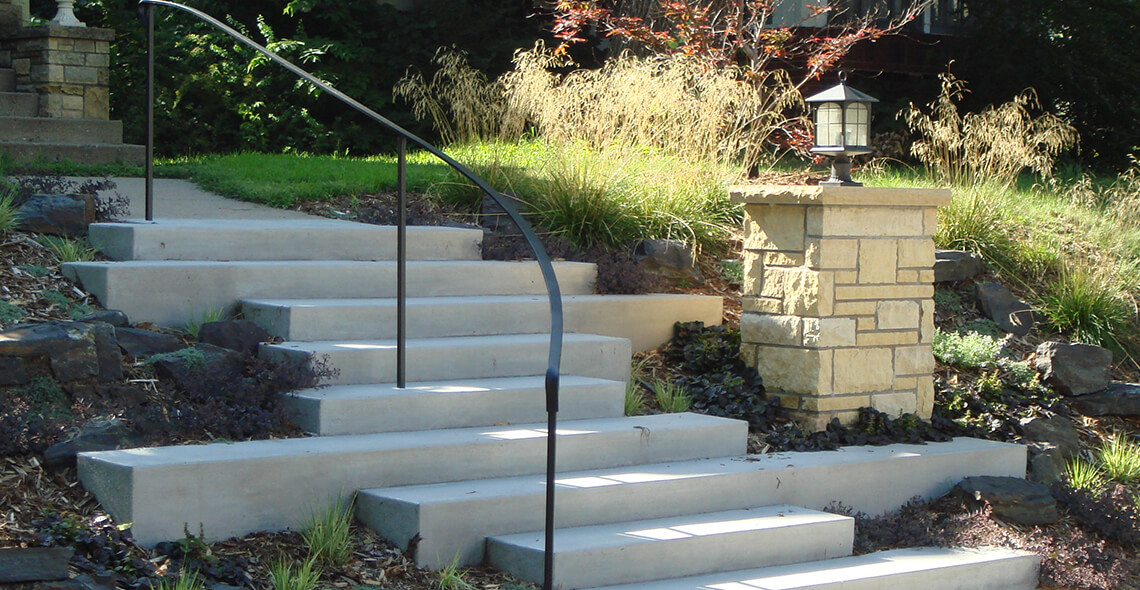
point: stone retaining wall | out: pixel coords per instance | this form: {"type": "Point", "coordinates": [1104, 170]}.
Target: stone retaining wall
{"type": "Point", "coordinates": [838, 297]}
{"type": "Point", "coordinates": [69, 67]}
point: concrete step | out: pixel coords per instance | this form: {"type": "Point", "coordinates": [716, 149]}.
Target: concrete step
{"type": "Point", "coordinates": [18, 104]}
{"type": "Point", "coordinates": [88, 153]}
{"type": "Point", "coordinates": [367, 408]}
{"type": "Point", "coordinates": [461, 357]}
{"type": "Point", "coordinates": [7, 80]}
{"type": "Point", "coordinates": [190, 289]}
{"type": "Point", "coordinates": [54, 130]}
{"type": "Point", "coordinates": [293, 239]}
{"type": "Point", "coordinates": [925, 568]}
{"type": "Point", "coordinates": [638, 551]}
{"type": "Point", "coordinates": [453, 518]}
{"type": "Point", "coordinates": [233, 489]}
{"type": "Point", "coordinates": [647, 320]}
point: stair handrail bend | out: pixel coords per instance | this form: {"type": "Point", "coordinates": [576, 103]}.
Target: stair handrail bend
{"type": "Point", "coordinates": [403, 136]}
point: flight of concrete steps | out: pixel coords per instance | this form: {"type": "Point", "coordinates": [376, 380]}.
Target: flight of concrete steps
{"type": "Point", "coordinates": [451, 467]}
{"type": "Point", "coordinates": [28, 137]}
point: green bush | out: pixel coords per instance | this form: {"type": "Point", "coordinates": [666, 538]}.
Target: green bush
{"type": "Point", "coordinates": [969, 350]}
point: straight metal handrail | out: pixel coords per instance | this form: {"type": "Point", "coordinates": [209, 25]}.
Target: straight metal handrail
{"type": "Point", "coordinates": [403, 136]}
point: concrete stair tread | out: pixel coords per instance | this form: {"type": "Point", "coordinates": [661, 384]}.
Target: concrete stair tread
{"type": "Point", "coordinates": [84, 151]}
{"type": "Point", "coordinates": [283, 239]}
{"type": "Point", "coordinates": [647, 320]}
{"type": "Point", "coordinates": [448, 357]}
{"type": "Point", "coordinates": [364, 408]}
{"type": "Point", "coordinates": [929, 568]}
{"type": "Point", "coordinates": [676, 546]}
{"type": "Point", "coordinates": [452, 518]}
{"type": "Point", "coordinates": [238, 488]}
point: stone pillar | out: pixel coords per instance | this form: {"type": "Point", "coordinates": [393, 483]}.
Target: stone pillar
{"type": "Point", "coordinates": [838, 297]}
{"type": "Point", "coordinates": [13, 14]}
{"type": "Point", "coordinates": [69, 67]}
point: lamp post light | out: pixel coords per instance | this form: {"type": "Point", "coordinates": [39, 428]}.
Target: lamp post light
{"type": "Point", "coordinates": [842, 128]}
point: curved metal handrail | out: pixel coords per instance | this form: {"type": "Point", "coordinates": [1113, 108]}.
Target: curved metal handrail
{"type": "Point", "coordinates": [551, 281]}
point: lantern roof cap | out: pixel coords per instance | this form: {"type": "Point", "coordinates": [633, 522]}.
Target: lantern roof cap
{"type": "Point", "coordinates": [841, 93]}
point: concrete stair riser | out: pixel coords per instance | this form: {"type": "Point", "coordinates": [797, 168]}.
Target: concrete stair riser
{"type": "Point", "coordinates": [453, 518]}
{"type": "Point", "coordinates": [927, 568]}
{"type": "Point", "coordinates": [317, 239]}
{"type": "Point", "coordinates": [89, 153]}
{"type": "Point", "coordinates": [18, 104]}
{"type": "Point", "coordinates": [363, 409]}
{"type": "Point", "coordinates": [194, 288]}
{"type": "Point", "coordinates": [438, 359]}
{"type": "Point", "coordinates": [647, 320]}
{"type": "Point", "coordinates": [678, 546]}
{"type": "Point", "coordinates": [235, 489]}
{"type": "Point", "coordinates": [49, 130]}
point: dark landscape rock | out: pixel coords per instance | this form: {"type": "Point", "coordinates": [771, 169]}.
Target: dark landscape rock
{"type": "Point", "coordinates": [114, 317]}
{"type": "Point", "coordinates": [100, 434]}
{"type": "Point", "coordinates": [144, 343]}
{"type": "Point", "coordinates": [186, 366]}
{"type": "Point", "coordinates": [240, 335]}
{"type": "Point", "coordinates": [1120, 399]}
{"type": "Point", "coordinates": [1012, 499]}
{"type": "Point", "coordinates": [66, 215]}
{"type": "Point", "coordinates": [956, 265]}
{"type": "Point", "coordinates": [494, 217]}
{"type": "Point", "coordinates": [1046, 462]}
{"type": "Point", "coordinates": [124, 395]}
{"type": "Point", "coordinates": [81, 582]}
{"type": "Point", "coordinates": [34, 564]}
{"type": "Point", "coordinates": [1056, 430]}
{"type": "Point", "coordinates": [13, 371]}
{"type": "Point", "coordinates": [72, 349]}
{"type": "Point", "coordinates": [1011, 314]}
{"type": "Point", "coordinates": [110, 357]}
{"type": "Point", "coordinates": [1074, 369]}
{"type": "Point", "coordinates": [668, 257]}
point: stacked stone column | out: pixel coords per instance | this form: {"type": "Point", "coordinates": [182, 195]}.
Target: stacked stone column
{"type": "Point", "coordinates": [838, 297]}
{"type": "Point", "coordinates": [69, 67]}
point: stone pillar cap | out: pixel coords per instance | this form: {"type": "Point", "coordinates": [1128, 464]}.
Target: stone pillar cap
{"type": "Point", "coordinates": [838, 195]}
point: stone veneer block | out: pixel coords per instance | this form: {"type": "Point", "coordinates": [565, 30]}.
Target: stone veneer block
{"type": "Point", "coordinates": [838, 311]}
{"type": "Point", "coordinates": [69, 67]}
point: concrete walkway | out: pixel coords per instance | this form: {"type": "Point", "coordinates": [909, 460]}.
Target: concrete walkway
{"type": "Point", "coordinates": [182, 199]}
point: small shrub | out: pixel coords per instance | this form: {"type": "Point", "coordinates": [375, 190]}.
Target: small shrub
{"type": "Point", "coordinates": [329, 535]}
{"type": "Point", "coordinates": [1119, 459]}
{"type": "Point", "coordinates": [194, 325]}
{"type": "Point", "coordinates": [9, 210]}
{"type": "Point", "coordinates": [451, 577]}
{"type": "Point", "coordinates": [1111, 513]}
{"type": "Point", "coordinates": [45, 399]}
{"type": "Point", "coordinates": [73, 309]}
{"type": "Point", "coordinates": [68, 249]}
{"type": "Point", "coordinates": [1088, 306]}
{"type": "Point", "coordinates": [10, 313]}
{"type": "Point", "coordinates": [282, 576]}
{"type": "Point", "coordinates": [1082, 475]}
{"type": "Point", "coordinates": [635, 399]}
{"type": "Point", "coordinates": [671, 398]}
{"type": "Point", "coordinates": [718, 381]}
{"type": "Point", "coordinates": [969, 350]}
{"type": "Point", "coordinates": [183, 581]}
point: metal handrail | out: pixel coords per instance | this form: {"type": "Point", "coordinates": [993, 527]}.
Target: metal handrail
{"type": "Point", "coordinates": [403, 136]}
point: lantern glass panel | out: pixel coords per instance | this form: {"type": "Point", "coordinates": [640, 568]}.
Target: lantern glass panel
{"type": "Point", "coordinates": [858, 125]}
{"type": "Point", "coordinates": [829, 125]}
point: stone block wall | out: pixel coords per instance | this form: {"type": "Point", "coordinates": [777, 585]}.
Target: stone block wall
{"type": "Point", "coordinates": [838, 297]}
{"type": "Point", "coordinates": [69, 67]}
{"type": "Point", "coordinates": [13, 13]}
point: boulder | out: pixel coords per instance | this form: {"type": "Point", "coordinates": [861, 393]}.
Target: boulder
{"type": "Point", "coordinates": [34, 564]}
{"type": "Point", "coordinates": [74, 350]}
{"type": "Point", "coordinates": [1011, 314]}
{"type": "Point", "coordinates": [1074, 369]}
{"type": "Point", "coordinates": [114, 317]}
{"type": "Point", "coordinates": [667, 257]}
{"type": "Point", "coordinates": [187, 366]}
{"type": "Point", "coordinates": [956, 265]}
{"type": "Point", "coordinates": [1120, 399]}
{"type": "Point", "coordinates": [144, 343]}
{"type": "Point", "coordinates": [1046, 462]}
{"type": "Point", "coordinates": [66, 215]}
{"type": "Point", "coordinates": [100, 434]}
{"type": "Point", "coordinates": [241, 335]}
{"type": "Point", "coordinates": [1011, 499]}
{"type": "Point", "coordinates": [13, 371]}
{"type": "Point", "coordinates": [1056, 430]}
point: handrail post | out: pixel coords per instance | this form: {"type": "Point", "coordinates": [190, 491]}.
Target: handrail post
{"type": "Point", "coordinates": [148, 13]}
{"type": "Point", "coordinates": [401, 262]}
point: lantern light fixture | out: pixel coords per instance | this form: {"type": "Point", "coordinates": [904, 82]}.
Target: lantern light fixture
{"type": "Point", "coordinates": [842, 128]}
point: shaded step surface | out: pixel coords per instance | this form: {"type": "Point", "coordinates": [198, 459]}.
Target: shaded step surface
{"type": "Point", "coordinates": [453, 518]}
{"type": "Point", "coordinates": [239, 488]}
{"type": "Point", "coordinates": [437, 359]}
{"type": "Point", "coordinates": [192, 289]}
{"type": "Point", "coordinates": [926, 568]}
{"type": "Point", "coordinates": [368, 408]}
{"type": "Point", "coordinates": [88, 153]}
{"type": "Point", "coordinates": [18, 104]}
{"type": "Point", "coordinates": [637, 551]}
{"type": "Point", "coordinates": [57, 130]}
{"type": "Point", "coordinates": [291, 239]}
{"type": "Point", "coordinates": [647, 320]}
